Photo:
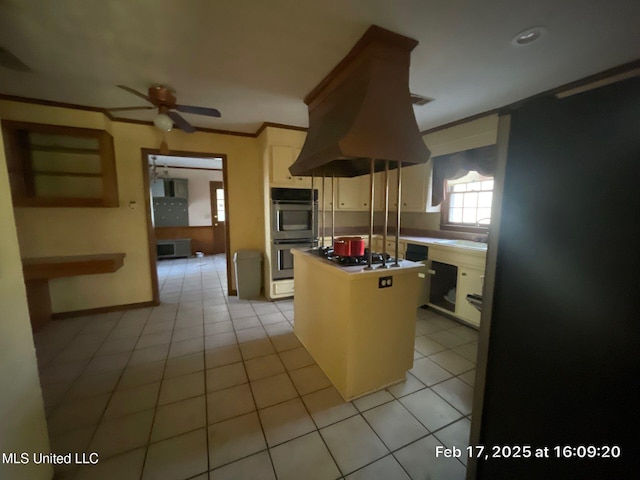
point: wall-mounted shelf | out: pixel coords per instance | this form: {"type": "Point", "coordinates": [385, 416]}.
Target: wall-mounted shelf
{"type": "Point", "coordinates": [38, 271]}
{"type": "Point", "coordinates": [54, 166]}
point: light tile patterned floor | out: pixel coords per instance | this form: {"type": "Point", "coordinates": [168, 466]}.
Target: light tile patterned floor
{"type": "Point", "coordinates": [207, 386]}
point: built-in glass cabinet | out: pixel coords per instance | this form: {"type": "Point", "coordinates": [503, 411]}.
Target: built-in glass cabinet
{"type": "Point", "coordinates": [56, 166]}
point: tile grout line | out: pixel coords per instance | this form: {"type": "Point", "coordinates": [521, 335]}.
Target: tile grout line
{"type": "Point", "coordinates": [287, 371]}
{"type": "Point", "coordinates": [204, 373]}
{"type": "Point", "coordinates": [95, 428]}
{"type": "Point", "coordinates": [88, 359]}
{"type": "Point", "coordinates": [155, 410]}
{"type": "Point", "coordinates": [253, 397]}
{"type": "Point", "coordinates": [185, 271]}
{"type": "Point", "coordinates": [113, 391]}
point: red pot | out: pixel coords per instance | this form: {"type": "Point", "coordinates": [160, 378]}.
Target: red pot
{"type": "Point", "coordinates": [348, 246]}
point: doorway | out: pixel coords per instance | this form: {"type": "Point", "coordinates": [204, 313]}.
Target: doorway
{"type": "Point", "coordinates": [204, 225]}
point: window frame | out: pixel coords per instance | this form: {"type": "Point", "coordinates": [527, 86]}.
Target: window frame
{"type": "Point", "coordinates": [446, 224]}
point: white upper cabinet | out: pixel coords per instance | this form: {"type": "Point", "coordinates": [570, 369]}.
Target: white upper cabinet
{"type": "Point", "coordinates": [353, 193]}
{"type": "Point", "coordinates": [415, 189]}
{"type": "Point", "coordinates": [324, 198]}
{"type": "Point", "coordinates": [282, 157]}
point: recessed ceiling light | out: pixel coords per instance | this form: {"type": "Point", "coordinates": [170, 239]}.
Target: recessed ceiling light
{"type": "Point", "coordinates": [528, 36]}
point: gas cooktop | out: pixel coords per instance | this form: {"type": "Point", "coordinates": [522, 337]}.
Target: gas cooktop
{"type": "Point", "coordinates": [328, 253]}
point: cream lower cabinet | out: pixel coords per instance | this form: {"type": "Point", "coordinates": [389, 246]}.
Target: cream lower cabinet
{"type": "Point", "coordinates": [470, 280]}
{"type": "Point", "coordinates": [281, 288]}
{"type": "Point", "coordinates": [459, 269]}
{"type": "Point", "coordinates": [391, 247]}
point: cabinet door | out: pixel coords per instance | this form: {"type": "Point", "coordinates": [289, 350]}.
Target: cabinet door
{"type": "Point", "coordinates": [326, 198]}
{"type": "Point", "coordinates": [282, 157]}
{"type": "Point", "coordinates": [402, 248]}
{"type": "Point", "coordinates": [470, 280]}
{"type": "Point", "coordinates": [415, 184]}
{"type": "Point", "coordinates": [349, 194]}
{"type": "Point", "coordinates": [180, 188]}
{"type": "Point", "coordinates": [301, 182]}
{"type": "Point", "coordinates": [379, 191]}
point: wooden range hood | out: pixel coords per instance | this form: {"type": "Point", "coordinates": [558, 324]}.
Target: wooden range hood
{"type": "Point", "coordinates": [362, 111]}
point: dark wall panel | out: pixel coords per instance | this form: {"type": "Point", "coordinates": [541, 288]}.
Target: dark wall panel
{"type": "Point", "coordinates": [563, 365]}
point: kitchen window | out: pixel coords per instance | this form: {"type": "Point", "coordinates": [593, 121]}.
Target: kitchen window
{"type": "Point", "coordinates": [463, 187]}
{"type": "Point", "coordinates": [467, 206]}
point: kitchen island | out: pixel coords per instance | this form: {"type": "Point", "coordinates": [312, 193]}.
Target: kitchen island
{"type": "Point", "coordinates": [358, 325]}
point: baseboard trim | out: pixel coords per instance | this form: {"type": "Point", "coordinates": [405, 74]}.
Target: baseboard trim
{"type": "Point", "coordinates": [232, 293]}
{"type": "Point", "coordinates": [95, 311]}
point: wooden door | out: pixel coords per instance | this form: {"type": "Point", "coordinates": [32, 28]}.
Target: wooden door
{"type": "Point", "coordinates": [218, 216]}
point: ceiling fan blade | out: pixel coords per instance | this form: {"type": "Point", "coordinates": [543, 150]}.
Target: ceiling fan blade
{"type": "Point", "coordinates": [181, 122]}
{"type": "Point", "coordinates": [210, 112]}
{"type": "Point", "coordinates": [125, 109]}
{"type": "Point", "coordinates": [135, 92]}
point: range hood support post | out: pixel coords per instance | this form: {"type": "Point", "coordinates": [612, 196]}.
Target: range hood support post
{"type": "Point", "coordinates": [386, 214]}
{"type": "Point", "coordinates": [399, 196]}
{"type": "Point", "coordinates": [314, 229]}
{"type": "Point", "coordinates": [371, 198]}
{"type": "Point", "coordinates": [323, 202]}
{"type": "Point", "coordinates": [333, 209]}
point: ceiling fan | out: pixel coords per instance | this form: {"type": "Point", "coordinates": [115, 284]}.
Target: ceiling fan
{"type": "Point", "coordinates": [164, 99]}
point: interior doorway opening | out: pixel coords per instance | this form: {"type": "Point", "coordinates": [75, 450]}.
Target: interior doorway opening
{"type": "Point", "coordinates": [186, 207]}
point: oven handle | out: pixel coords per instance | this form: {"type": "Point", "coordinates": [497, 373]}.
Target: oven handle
{"type": "Point", "coordinates": [298, 241]}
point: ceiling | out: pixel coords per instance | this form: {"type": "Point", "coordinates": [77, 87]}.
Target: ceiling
{"type": "Point", "coordinates": [255, 60]}
{"type": "Point", "coordinates": [167, 161]}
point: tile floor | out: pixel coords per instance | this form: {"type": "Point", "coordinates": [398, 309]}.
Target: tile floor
{"type": "Point", "coordinates": [207, 386]}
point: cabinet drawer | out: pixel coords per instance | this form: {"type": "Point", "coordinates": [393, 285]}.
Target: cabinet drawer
{"type": "Point", "coordinates": [457, 257]}
{"type": "Point", "coordinates": [283, 287]}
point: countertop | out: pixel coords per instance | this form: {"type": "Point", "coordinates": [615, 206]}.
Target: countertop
{"type": "Point", "coordinates": [445, 242]}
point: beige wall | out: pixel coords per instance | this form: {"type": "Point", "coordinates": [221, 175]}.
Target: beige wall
{"type": "Point", "coordinates": [474, 134]}
{"type": "Point", "coordinates": [22, 421]}
{"type": "Point", "coordinates": [67, 231]}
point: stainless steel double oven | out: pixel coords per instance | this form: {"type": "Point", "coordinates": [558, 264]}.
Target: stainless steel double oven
{"type": "Point", "coordinates": [294, 224]}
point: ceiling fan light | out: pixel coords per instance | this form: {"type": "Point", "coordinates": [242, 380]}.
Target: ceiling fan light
{"type": "Point", "coordinates": [528, 36]}
{"type": "Point", "coordinates": [163, 122]}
